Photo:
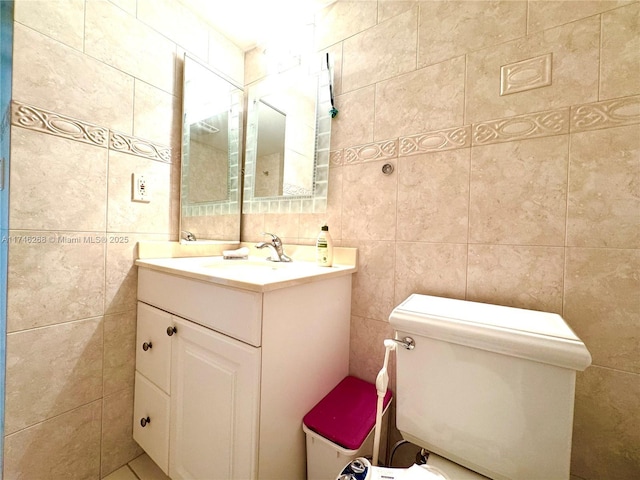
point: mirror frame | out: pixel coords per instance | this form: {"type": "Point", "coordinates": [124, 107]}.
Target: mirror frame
{"type": "Point", "coordinates": [232, 204]}
{"type": "Point", "coordinates": [317, 201]}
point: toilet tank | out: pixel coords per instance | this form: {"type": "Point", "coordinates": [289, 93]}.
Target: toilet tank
{"type": "Point", "coordinates": [487, 386]}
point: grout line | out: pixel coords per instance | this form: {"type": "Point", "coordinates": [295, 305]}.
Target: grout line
{"type": "Point", "coordinates": [466, 272]}
{"type": "Point", "coordinates": [566, 225]}
{"type": "Point", "coordinates": [132, 470]}
{"type": "Point", "coordinates": [84, 28]}
{"type": "Point", "coordinates": [600, 57]}
{"type": "Point", "coordinates": [464, 90]}
{"type": "Point", "coordinates": [40, 422]}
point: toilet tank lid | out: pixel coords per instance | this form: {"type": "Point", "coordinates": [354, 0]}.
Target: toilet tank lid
{"type": "Point", "coordinates": [538, 336]}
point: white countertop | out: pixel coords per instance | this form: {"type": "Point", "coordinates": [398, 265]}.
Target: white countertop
{"type": "Point", "coordinates": [255, 274]}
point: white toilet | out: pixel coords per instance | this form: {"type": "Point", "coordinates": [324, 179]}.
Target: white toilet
{"type": "Point", "coordinates": [487, 387]}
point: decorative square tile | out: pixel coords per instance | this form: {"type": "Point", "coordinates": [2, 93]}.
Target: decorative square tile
{"type": "Point", "coordinates": [526, 74]}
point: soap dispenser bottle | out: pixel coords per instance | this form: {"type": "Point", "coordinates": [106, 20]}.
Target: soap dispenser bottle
{"type": "Point", "coordinates": [324, 248]}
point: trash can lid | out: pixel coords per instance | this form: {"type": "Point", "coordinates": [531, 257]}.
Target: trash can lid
{"type": "Point", "coordinates": [347, 414]}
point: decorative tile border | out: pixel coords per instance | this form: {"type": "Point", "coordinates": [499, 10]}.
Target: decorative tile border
{"type": "Point", "coordinates": [452, 138]}
{"type": "Point", "coordinates": [526, 75]}
{"type": "Point", "coordinates": [610, 113]}
{"type": "Point", "coordinates": [137, 146]}
{"type": "Point", "coordinates": [45, 121]}
{"type": "Point", "coordinates": [371, 152]}
{"type": "Point", "coordinates": [336, 157]}
{"type": "Point", "coordinates": [41, 120]}
{"type": "Point", "coordinates": [521, 127]}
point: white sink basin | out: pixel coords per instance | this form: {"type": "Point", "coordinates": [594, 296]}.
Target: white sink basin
{"type": "Point", "coordinates": [256, 273]}
{"type": "Point", "coordinates": [245, 264]}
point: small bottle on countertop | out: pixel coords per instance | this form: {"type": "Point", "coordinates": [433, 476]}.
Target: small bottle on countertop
{"type": "Point", "coordinates": [324, 248]}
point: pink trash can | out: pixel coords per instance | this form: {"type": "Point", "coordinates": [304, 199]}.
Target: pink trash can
{"type": "Point", "coordinates": [341, 426]}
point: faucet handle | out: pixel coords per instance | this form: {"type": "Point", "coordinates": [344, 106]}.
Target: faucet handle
{"type": "Point", "coordinates": [190, 237]}
{"type": "Point", "coordinates": [274, 238]}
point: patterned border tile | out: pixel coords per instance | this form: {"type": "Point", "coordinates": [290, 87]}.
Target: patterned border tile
{"type": "Point", "coordinates": [541, 124]}
{"type": "Point", "coordinates": [459, 137]}
{"type": "Point", "coordinates": [371, 152]}
{"type": "Point", "coordinates": [526, 75]}
{"type": "Point", "coordinates": [336, 157]}
{"type": "Point", "coordinates": [41, 120]}
{"type": "Point", "coordinates": [610, 113]}
{"type": "Point", "coordinates": [137, 146]}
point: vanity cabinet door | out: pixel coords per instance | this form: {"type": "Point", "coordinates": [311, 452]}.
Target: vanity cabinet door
{"type": "Point", "coordinates": [153, 345]}
{"type": "Point", "coordinates": [215, 388]}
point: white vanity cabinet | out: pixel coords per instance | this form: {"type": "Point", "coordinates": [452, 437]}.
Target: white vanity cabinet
{"type": "Point", "coordinates": [203, 418]}
{"type": "Point", "coordinates": [224, 395]}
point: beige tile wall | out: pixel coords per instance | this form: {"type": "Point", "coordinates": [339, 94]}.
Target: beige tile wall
{"type": "Point", "coordinates": [530, 199]}
{"type": "Point", "coordinates": [97, 79]}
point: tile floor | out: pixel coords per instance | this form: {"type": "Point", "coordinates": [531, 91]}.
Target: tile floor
{"type": "Point", "coordinates": [141, 468]}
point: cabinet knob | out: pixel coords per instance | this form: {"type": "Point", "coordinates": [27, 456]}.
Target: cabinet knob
{"type": "Point", "coordinates": [145, 421]}
{"type": "Point", "coordinates": [146, 346]}
{"type": "Point", "coordinates": [171, 330]}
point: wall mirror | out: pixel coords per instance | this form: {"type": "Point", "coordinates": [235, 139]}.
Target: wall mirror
{"type": "Point", "coordinates": [210, 170]}
{"type": "Point", "coordinates": [288, 140]}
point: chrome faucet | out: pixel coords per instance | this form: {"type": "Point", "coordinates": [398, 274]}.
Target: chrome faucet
{"type": "Point", "coordinates": [188, 236]}
{"type": "Point", "coordinates": [275, 246]}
